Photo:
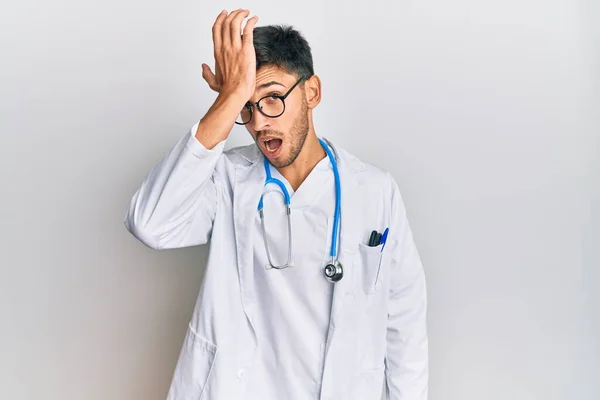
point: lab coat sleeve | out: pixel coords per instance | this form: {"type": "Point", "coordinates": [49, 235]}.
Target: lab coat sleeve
{"type": "Point", "coordinates": [176, 203]}
{"type": "Point", "coordinates": [406, 364]}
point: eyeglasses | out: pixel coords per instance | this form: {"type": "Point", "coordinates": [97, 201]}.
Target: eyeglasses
{"type": "Point", "coordinates": [272, 106]}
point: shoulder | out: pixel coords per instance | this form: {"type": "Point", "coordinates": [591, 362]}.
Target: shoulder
{"type": "Point", "coordinates": [242, 155]}
{"type": "Point", "coordinates": [368, 174]}
{"type": "Point", "coordinates": [373, 182]}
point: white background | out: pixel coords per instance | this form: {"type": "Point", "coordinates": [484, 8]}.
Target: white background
{"type": "Point", "coordinates": [486, 112]}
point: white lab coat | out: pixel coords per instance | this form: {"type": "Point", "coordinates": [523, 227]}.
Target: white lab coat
{"type": "Point", "coordinates": [377, 331]}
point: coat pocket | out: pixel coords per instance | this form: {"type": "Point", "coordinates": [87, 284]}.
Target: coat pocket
{"type": "Point", "coordinates": [369, 267]}
{"type": "Point", "coordinates": [193, 369]}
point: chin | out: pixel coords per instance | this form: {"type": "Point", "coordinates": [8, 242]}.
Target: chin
{"type": "Point", "coordinates": [281, 161]}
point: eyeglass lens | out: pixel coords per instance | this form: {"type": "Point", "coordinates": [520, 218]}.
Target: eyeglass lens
{"type": "Point", "coordinates": [271, 106]}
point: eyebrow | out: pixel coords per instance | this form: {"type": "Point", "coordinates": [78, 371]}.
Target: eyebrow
{"type": "Point", "coordinates": [266, 85]}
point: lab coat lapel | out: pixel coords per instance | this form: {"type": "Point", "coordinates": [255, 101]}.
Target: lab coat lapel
{"type": "Point", "coordinates": [338, 367]}
{"type": "Point", "coordinates": [349, 234]}
{"type": "Point", "coordinates": [248, 186]}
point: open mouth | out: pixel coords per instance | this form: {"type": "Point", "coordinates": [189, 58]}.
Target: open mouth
{"type": "Point", "coordinates": [272, 145]}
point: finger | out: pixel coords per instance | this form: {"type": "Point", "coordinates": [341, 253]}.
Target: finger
{"type": "Point", "coordinates": [216, 30]}
{"type": "Point", "coordinates": [236, 28]}
{"type": "Point", "coordinates": [209, 77]}
{"type": "Point", "coordinates": [226, 28]}
{"type": "Point", "coordinates": [218, 73]}
{"type": "Point", "coordinates": [248, 37]}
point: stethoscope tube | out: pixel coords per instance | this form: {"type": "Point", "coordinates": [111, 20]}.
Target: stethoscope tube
{"type": "Point", "coordinates": [286, 199]}
{"type": "Point", "coordinates": [332, 271]}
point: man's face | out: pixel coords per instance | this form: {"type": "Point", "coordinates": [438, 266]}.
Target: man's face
{"type": "Point", "coordinates": [280, 139]}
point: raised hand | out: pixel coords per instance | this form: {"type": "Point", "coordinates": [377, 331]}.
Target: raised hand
{"type": "Point", "coordinates": [235, 60]}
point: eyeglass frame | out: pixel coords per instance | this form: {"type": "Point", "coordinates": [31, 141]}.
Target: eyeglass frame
{"type": "Point", "coordinates": [251, 106]}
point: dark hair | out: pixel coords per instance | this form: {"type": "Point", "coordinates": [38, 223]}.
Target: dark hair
{"type": "Point", "coordinates": [284, 47]}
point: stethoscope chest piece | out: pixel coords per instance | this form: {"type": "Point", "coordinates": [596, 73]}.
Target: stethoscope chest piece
{"type": "Point", "coordinates": [334, 271]}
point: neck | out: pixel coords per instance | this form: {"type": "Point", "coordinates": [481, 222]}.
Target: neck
{"type": "Point", "coordinates": [312, 152]}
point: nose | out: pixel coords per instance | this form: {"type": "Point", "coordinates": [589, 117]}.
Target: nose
{"type": "Point", "coordinates": [259, 122]}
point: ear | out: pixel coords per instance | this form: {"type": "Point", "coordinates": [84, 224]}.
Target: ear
{"type": "Point", "coordinates": [312, 91]}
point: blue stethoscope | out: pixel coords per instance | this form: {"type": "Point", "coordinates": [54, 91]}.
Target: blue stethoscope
{"type": "Point", "coordinates": [333, 270]}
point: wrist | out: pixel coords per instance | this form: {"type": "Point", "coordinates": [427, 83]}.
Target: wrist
{"type": "Point", "coordinates": [235, 97]}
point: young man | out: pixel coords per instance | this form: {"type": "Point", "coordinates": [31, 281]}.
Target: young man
{"type": "Point", "coordinates": [299, 303]}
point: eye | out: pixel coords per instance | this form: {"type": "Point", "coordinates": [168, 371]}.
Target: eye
{"type": "Point", "coordinates": [271, 99]}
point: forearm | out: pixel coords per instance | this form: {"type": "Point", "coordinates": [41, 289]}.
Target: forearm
{"type": "Point", "coordinates": [216, 125]}
{"type": "Point", "coordinates": [407, 365]}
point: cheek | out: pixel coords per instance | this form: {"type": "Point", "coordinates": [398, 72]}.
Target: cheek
{"type": "Point", "coordinates": [289, 121]}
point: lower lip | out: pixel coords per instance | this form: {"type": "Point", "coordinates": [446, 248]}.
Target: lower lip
{"type": "Point", "coordinates": [272, 154]}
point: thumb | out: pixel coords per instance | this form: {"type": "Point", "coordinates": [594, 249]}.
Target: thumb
{"type": "Point", "coordinates": [209, 77]}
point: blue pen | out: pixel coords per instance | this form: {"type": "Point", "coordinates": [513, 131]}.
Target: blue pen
{"type": "Point", "coordinates": [384, 238]}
